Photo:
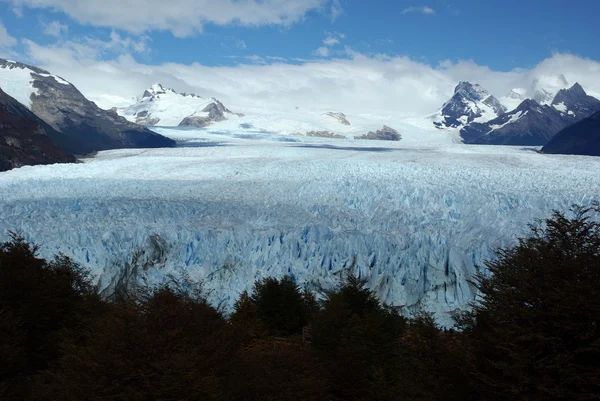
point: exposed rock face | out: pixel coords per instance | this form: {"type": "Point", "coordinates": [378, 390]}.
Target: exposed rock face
{"type": "Point", "coordinates": [581, 138]}
{"type": "Point", "coordinates": [87, 127]}
{"type": "Point", "coordinates": [25, 139]}
{"type": "Point", "coordinates": [213, 112]}
{"type": "Point", "coordinates": [469, 103]}
{"type": "Point", "coordinates": [532, 123]}
{"type": "Point", "coordinates": [384, 134]}
{"type": "Point", "coordinates": [325, 134]}
{"type": "Point", "coordinates": [340, 117]}
{"type": "Point", "coordinates": [575, 103]}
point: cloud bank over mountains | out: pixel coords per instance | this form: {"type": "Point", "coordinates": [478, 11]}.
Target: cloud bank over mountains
{"type": "Point", "coordinates": [355, 82]}
{"type": "Point", "coordinates": [110, 68]}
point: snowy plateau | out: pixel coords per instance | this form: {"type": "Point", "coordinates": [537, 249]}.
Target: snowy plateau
{"type": "Point", "coordinates": [225, 208]}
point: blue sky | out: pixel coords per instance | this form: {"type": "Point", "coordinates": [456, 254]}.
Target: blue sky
{"type": "Point", "coordinates": [397, 56]}
{"type": "Point", "coordinates": [503, 34]}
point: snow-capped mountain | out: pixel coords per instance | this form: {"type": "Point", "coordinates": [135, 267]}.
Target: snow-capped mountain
{"type": "Point", "coordinates": [575, 103]}
{"type": "Point", "coordinates": [530, 124]}
{"type": "Point", "coordinates": [164, 106]}
{"type": "Point", "coordinates": [581, 138]}
{"type": "Point", "coordinates": [545, 87]}
{"type": "Point", "coordinates": [57, 102]}
{"type": "Point", "coordinates": [533, 123]}
{"type": "Point", "coordinates": [470, 103]}
{"type": "Point", "coordinates": [25, 139]}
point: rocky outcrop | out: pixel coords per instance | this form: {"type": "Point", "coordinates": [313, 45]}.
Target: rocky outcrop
{"type": "Point", "coordinates": [86, 127]}
{"type": "Point", "coordinates": [213, 112]}
{"type": "Point", "coordinates": [340, 117]}
{"type": "Point", "coordinates": [25, 140]}
{"type": "Point", "coordinates": [384, 134]}
{"type": "Point", "coordinates": [324, 134]}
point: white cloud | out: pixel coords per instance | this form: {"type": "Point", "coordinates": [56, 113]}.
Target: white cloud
{"type": "Point", "coordinates": [241, 44]}
{"type": "Point", "coordinates": [379, 84]}
{"type": "Point", "coordinates": [88, 48]}
{"type": "Point", "coordinates": [336, 9]}
{"type": "Point", "coordinates": [55, 28]}
{"type": "Point", "coordinates": [181, 17]}
{"type": "Point", "coordinates": [423, 10]}
{"type": "Point", "coordinates": [332, 39]}
{"type": "Point", "coordinates": [6, 41]}
{"type": "Point", "coordinates": [322, 51]}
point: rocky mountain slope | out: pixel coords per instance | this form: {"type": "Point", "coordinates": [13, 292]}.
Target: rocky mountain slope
{"type": "Point", "coordinates": [533, 123]}
{"type": "Point", "coordinates": [165, 107]}
{"type": "Point", "coordinates": [470, 103]}
{"type": "Point", "coordinates": [581, 138]}
{"type": "Point", "coordinates": [57, 102]}
{"type": "Point", "coordinates": [25, 139]}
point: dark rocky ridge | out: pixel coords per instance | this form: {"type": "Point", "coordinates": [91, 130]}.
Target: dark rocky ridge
{"type": "Point", "coordinates": [25, 140]}
{"type": "Point", "coordinates": [581, 138]}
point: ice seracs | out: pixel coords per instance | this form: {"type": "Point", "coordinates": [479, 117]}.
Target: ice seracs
{"type": "Point", "coordinates": [470, 103]}
{"type": "Point", "coordinates": [165, 107]}
{"type": "Point", "coordinates": [413, 220]}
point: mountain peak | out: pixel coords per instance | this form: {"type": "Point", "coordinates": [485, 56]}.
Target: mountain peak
{"type": "Point", "coordinates": [156, 89]}
{"type": "Point", "coordinates": [576, 90]}
{"type": "Point", "coordinates": [528, 104]}
{"type": "Point", "coordinates": [575, 102]}
{"type": "Point", "coordinates": [471, 91]}
{"type": "Point", "coordinates": [470, 102]}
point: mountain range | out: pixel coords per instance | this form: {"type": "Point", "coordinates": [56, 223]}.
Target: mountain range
{"type": "Point", "coordinates": [45, 119]}
{"type": "Point", "coordinates": [85, 127]}
{"type": "Point", "coordinates": [480, 118]}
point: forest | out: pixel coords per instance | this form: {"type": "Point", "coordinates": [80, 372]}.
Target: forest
{"type": "Point", "coordinates": [533, 333]}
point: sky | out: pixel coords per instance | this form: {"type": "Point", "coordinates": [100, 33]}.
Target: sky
{"type": "Point", "coordinates": [387, 54]}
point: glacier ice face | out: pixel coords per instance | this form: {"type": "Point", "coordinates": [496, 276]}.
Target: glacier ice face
{"type": "Point", "coordinates": [414, 221]}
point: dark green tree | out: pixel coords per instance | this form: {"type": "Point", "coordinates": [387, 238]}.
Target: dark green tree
{"type": "Point", "coordinates": [357, 338]}
{"type": "Point", "coordinates": [535, 333]}
{"type": "Point", "coordinates": [42, 305]}
{"type": "Point", "coordinates": [280, 306]}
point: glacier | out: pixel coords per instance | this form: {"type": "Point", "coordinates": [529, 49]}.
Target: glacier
{"type": "Point", "coordinates": [414, 218]}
